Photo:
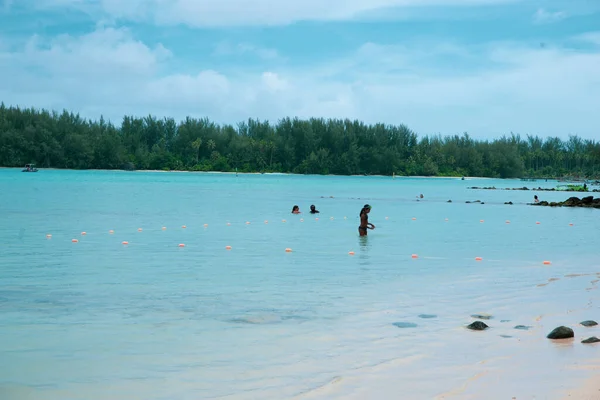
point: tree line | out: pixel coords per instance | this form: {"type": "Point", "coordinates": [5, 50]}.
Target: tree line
{"type": "Point", "coordinates": [313, 146]}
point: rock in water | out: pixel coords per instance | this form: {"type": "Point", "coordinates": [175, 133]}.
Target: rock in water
{"type": "Point", "coordinates": [522, 327]}
{"type": "Point", "coordinates": [593, 339]}
{"type": "Point", "coordinates": [404, 325]}
{"type": "Point", "coordinates": [482, 316]}
{"type": "Point", "coordinates": [562, 332]}
{"type": "Point", "coordinates": [477, 326]}
{"type": "Point", "coordinates": [589, 323]}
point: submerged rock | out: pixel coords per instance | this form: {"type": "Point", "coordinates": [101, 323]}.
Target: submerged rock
{"type": "Point", "coordinates": [510, 203]}
{"type": "Point", "coordinates": [522, 327]}
{"type": "Point", "coordinates": [477, 326]}
{"type": "Point", "coordinates": [482, 316]}
{"type": "Point", "coordinates": [562, 332]}
{"type": "Point", "coordinates": [505, 320]}
{"type": "Point", "coordinates": [426, 316]}
{"type": "Point", "coordinates": [404, 324]}
{"type": "Point", "coordinates": [589, 323]}
{"type": "Point", "coordinates": [593, 339]}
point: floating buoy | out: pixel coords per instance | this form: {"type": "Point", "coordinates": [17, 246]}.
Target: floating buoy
{"type": "Point", "coordinates": [228, 224]}
{"type": "Point", "coordinates": [74, 240]}
{"type": "Point", "coordinates": [537, 222]}
{"type": "Point", "coordinates": [139, 229]}
{"type": "Point", "coordinates": [181, 245]}
{"type": "Point", "coordinates": [481, 221]}
{"type": "Point", "coordinates": [83, 233]}
{"type": "Point", "coordinates": [387, 217]}
{"type": "Point", "coordinates": [415, 256]}
{"type": "Point", "coordinates": [227, 247]}
{"type": "Point", "coordinates": [316, 219]}
{"type": "Point", "coordinates": [125, 243]}
{"type": "Point", "coordinates": [571, 224]}
{"type": "Point", "coordinates": [351, 253]}
{"type": "Point", "coordinates": [507, 221]}
{"type": "Point", "coordinates": [414, 219]}
{"type": "Point", "coordinates": [283, 220]}
{"type": "Point", "coordinates": [547, 263]}
{"type": "Point", "coordinates": [301, 219]}
{"type": "Point", "coordinates": [48, 236]}
{"type": "Point", "coordinates": [331, 218]}
{"type": "Point", "coordinates": [206, 225]}
{"type": "Point", "coordinates": [183, 227]}
{"type": "Point", "coordinates": [288, 250]}
{"type": "Point", "coordinates": [164, 228]}
{"type": "Point", "coordinates": [247, 222]}
{"type": "Point", "coordinates": [266, 222]}
{"type": "Point", "coordinates": [111, 232]}
{"type": "Point", "coordinates": [478, 259]}
{"type": "Point", "coordinates": [446, 219]}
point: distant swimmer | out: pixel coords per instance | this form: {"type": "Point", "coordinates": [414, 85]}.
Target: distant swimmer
{"type": "Point", "coordinates": [296, 210]}
{"type": "Point", "coordinates": [535, 199]}
{"type": "Point", "coordinates": [364, 220]}
{"type": "Point", "coordinates": [313, 209]}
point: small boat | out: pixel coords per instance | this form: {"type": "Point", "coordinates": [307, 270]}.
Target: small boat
{"type": "Point", "coordinates": [30, 168]}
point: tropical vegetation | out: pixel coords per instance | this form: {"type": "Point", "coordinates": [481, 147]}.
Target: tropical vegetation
{"type": "Point", "coordinates": [313, 146]}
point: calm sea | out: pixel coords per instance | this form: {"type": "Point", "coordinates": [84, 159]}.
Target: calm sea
{"type": "Point", "coordinates": [152, 320]}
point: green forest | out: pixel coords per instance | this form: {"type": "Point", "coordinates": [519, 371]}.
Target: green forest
{"type": "Point", "coordinates": [315, 146]}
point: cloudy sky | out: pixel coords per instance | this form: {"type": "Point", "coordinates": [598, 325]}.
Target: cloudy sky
{"type": "Point", "coordinates": [487, 67]}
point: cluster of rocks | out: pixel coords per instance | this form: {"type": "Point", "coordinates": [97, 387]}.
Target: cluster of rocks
{"type": "Point", "coordinates": [588, 202]}
{"type": "Point", "coordinates": [562, 332]}
{"type": "Point", "coordinates": [539, 189]}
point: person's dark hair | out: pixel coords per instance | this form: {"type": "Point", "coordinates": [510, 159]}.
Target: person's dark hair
{"type": "Point", "coordinates": [365, 207]}
{"type": "Point", "coordinates": [294, 208]}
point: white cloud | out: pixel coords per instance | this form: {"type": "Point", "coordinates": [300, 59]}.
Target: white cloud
{"type": "Point", "coordinates": [226, 49]}
{"type": "Point", "coordinates": [547, 91]}
{"type": "Point", "coordinates": [204, 13]}
{"type": "Point", "coordinates": [543, 16]}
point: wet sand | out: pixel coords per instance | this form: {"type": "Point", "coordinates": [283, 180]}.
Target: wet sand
{"type": "Point", "coordinates": [589, 391]}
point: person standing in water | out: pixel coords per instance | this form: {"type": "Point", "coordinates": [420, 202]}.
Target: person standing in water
{"type": "Point", "coordinates": [364, 221]}
{"type": "Point", "coordinates": [313, 209]}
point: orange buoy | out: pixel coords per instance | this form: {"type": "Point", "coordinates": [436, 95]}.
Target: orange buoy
{"type": "Point", "coordinates": [139, 229]}
{"type": "Point", "coordinates": [478, 259]}
{"type": "Point", "coordinates": [481, 221]}
{"type": "Point", "coordinates": [266, 222]}
{"type": "Point", "coordinates": [111, 231]}
{"type": "Point", "coordinates": [74, 240]}
{"type": "Point", "coordinates": [288, 250]}
{"type": "Point", "coordinates": [48, 236]}
{"type": "Point", "coordinates": [227, 247]}
{"type": "Point", "coordinates": [414, 219]}
{"type": "Point", "coordinates": [571, 224]}
{"type": "Point", "coordinates": [316, 219]}
{"type": "Point", "coordinates": [181, 245]}
{"type": "Point", "coordinates": [247, 222]}
{"type": "Point", "coordinates": [283, 220]}
{"type": "Point", "coordinates": [351, 253]}
{"type": "Point", "coordinates": [547, 263]}
{"type": "Point", "coordinates": [414, 256]}
{"type": "Point", "coordinates": [125, 243]}
{"type": "Point", "coordinates": [387, 217]}
{"type": "Point", "coordinates": [164, 228]}
{"type": "Point", "coordinates": [83, 233]}
{"type": "Point", "coordinates": [206, 225]}
{"type": "Point", "coordinates": [537, 222]}
{"type": "Point", "coordinates": [183, 227]}
{"type": "Point", "coordinates": [228, 224]}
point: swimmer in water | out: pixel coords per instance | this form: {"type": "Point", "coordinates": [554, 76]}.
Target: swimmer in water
{"type": "Point", "coordinates": [296, 210]}
{"type": "Point", "coordinates": [535, 199]}
{"type": "Point", "coordinates": [364, 220]}
{"type": "Point", "coordinates": [313, 209]}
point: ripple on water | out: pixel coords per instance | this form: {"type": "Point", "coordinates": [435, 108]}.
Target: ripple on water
{"type": "Point", "coordinates": [405, 324]}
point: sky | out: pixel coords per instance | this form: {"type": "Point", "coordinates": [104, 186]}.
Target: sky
{"type": "Point", "coordinates": [486, 67]}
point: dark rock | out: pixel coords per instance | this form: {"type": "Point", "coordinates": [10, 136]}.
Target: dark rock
{"type": "Point", "coordinates": [589, 323]}
{"type": "Point", "coordinates": [562, 332]}
{"type": "Point", "coordinates": [522, 327]}
{"type": "Point", "coordinates": [509, 203]}
{"type": "Point", "coordinates": [404, 325]}
{"type": "Point", "coordinates": [593, 339]}
{"type": "Point", "coordinates": [449, 201]}
{"type": "Point", "coordinates": [478, 326]}
{"type": "Point", "coordinates": [505, 320]}
{"type": "Point", "coordinates": [482, 316]}
{"type": "Point", "coordinates": [482, 202]}
{"type": "Point", "coordinates": [505, 336]}
{"type": "Point", "coordinates": [587, 200]}
{"type": "Point", "coordinates": [427, 316]}
{"type": "Point", "coordinates": [468, 202]}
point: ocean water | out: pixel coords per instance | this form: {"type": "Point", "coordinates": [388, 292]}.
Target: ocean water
{"type": "Point", "coordinates": [97, 319]}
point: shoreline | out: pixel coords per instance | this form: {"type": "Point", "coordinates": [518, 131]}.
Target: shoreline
{"type": "Point", "coordinates": [590, 390]}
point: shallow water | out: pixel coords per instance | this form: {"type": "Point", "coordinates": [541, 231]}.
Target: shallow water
{"type": "Point", "coordinates": [150, 320]}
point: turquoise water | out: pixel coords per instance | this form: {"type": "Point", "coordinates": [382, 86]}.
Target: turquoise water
{"type": "Point", "coordinates": [151, 320]}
